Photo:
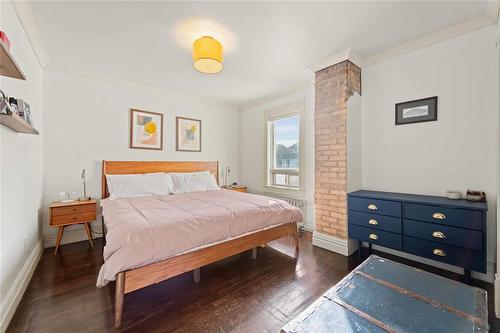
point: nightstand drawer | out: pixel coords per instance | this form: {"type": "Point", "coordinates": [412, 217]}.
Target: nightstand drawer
{"type": "Point", "coordinates": [73, 218]}
{"type": "Point", "coordinates": [456, 217]}
{"type": "Point", "coordinates": [470, 239]}
{"type": "Point", "coordinates": [380, 222]}
{"type": "Point", "coordinates": [382, 238]}
{"type": "Point", "coordinates": [67, 210]}
{"type": "Point", "coordinates": [445, 253]}
{"type": "Point", "coordinates": [379, 207]}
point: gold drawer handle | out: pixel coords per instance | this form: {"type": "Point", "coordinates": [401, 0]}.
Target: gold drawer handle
{"type": "Point", "coordinates": [439, 216]}
{"type": "Point", "coordinates": [373, 222]}
{"type": "Point", "coordinates": [372, 207]}
{"type": "Point", "coordinates": [373, 236]}
{"type": "Point", "coordinates": [439, 252]}
{"type": "Point", "coordinates": [438, 234]}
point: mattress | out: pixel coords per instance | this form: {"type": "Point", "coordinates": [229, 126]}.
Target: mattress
{"type": "Point", "coordinates": [145, 230]}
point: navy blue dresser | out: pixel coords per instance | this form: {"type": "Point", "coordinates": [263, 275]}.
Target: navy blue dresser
{"type": "Point", "coordinates": [450, 231]}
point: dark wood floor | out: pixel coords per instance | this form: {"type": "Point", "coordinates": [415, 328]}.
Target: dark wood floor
{"type": "Point", "coordinates": [235, 295]}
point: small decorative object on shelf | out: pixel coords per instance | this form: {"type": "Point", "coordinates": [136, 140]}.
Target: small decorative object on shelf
{"type": "Point", "coordinates": [475, 195]}
{"type": "Point", "coordinates": [8, 66]}
{"type": "Point", "coordinates": [18, 120]}
{"type": "Point", "coordinates": [4, 104]}
{"type": "Point", "coordinates": [5, 40]}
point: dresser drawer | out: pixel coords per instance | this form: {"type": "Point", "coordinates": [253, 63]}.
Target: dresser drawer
{"type": "Point", "coordinates": [445, 253]}
{"type": "Point", "coordinates": [73, 218]}
{"type": "Point", "coordinates": [379, 222]}
{"type": "Point", "coordinates": [467, 238]}
{"type": "Point", "coordinates": [456, 217]}
{"type": "Point", "coordinates": [67, 210]}
{"type": "Point", "coordinates": [382, 238]}
{"type": "Point", "coordinates": [379, 207]}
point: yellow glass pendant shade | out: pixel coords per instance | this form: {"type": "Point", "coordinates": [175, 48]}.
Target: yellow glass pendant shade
{"type": "Point", "coordinates": [207, 55]}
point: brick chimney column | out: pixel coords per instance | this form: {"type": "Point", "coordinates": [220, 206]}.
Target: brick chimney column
{"type": "Point", "coordinates": [333, 87]}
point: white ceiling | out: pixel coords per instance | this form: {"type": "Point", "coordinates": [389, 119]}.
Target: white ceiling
{"type": "Point", "coordinates": [268, 45]}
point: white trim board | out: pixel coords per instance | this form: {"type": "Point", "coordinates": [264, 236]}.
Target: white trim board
{"type": "Point", "coordinates": [333, 244]}
{"type": "Point", "coordinates": [16, 291]}
{"type": "Point", "coordinates": [73, 234]}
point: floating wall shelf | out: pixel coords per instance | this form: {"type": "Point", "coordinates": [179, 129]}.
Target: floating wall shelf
{"type": "Point", "coordinates": [17, 124]}
{"type": "Point", "coordinates": [8, 66]}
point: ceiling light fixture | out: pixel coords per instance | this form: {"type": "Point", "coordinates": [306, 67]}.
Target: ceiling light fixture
{"type": "Point", "coordinates": [207, 55]}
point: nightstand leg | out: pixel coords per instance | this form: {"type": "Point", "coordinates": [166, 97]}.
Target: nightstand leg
{"type": "Point", "coordinates": [59, 237]}
{"type": "Point", "coordinates": [89, 233]}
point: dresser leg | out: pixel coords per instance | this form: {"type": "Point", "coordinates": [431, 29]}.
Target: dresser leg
{"type": "Point", "coordinates": [467, 276]}
{"type": "Point", "coordinates": [370, 248]}
{"type": "Point", "coordinates": [360, 249]}
{"type": "Point", "coordinates": [59, 237]}
{"type": "Point", "coordinates": [89, 233]}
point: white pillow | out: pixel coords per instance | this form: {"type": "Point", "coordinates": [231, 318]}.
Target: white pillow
{"type": "Point", "coordinates": [138, 185]}
{"type": "Point", "coordinates": [193, 182]}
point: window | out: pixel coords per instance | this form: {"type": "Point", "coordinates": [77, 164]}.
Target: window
{"type": "Point", "coordinates": [284, 156]}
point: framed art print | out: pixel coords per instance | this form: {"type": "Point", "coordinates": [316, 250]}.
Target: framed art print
{"type": "Point", "coordinates": [146, 130]}
{"type": "Point", "coordinates": [417, 111]}
{"type": "Point", "coordinates": [188, 134]}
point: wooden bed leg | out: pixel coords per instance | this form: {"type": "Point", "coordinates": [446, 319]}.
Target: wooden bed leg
{"type": "Point", "coordinates": [119, 297]}
{"type": "Point", "coordinates": [196, 273]}
{"type": "Point", "coordinates": [296, 238]}
{"type": "Point", "coordinates": [254, 253]}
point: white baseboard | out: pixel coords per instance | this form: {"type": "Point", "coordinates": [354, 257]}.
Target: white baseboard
{"type": "Point", "coordinates": [72, 234]}
{"type": "Point", "coordinates": [497, 296]}
{"type": "Point", "coordinates": [334, 244]}
{"type": "Point", "coordinates": [16, 291]}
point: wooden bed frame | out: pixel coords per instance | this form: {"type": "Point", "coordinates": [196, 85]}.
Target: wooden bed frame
{"type": "Point", "coordinates": [134, 279]}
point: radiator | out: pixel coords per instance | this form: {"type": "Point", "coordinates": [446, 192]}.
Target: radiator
{"type": "Point", "coordinates": [299, 203]}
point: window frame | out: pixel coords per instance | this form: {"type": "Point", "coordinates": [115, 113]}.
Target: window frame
{"type": "Point", "coordinates": [285, 111]}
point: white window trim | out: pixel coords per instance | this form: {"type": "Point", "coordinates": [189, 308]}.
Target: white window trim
{"type": "Point", "coordinates": [284, 111]}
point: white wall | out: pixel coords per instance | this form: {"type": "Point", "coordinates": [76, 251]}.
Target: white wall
{"type": "Point", "coordinates": [21, 169]}
{"type": "Point", "coordinates": [87, 121]}
{"type": "Point", "coordinates": [253, 142]}
{"type": "Point", "coordinates": [459, 151]}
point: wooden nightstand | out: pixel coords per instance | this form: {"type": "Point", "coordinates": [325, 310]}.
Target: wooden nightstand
{"type": "Point", "coordinates": [237, 188]}
{"type": "Point", "coordinates": [62, 214]}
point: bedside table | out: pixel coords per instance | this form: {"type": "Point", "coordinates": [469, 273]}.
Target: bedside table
{"type": "Point", "coordinates": [237, 188]}
{"type": "Point", "coordinates": [62, 214]}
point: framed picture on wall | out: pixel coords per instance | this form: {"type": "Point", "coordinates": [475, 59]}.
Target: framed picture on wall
{"type": "Point", "coordinates": [146, 130]}
{"type": "Point", "coordinates": [417, 111]}
{"type": "Point", "coordinates": [188, 133]}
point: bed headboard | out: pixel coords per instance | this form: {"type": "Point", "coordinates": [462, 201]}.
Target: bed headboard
{"type": "Point", "coordinates": [129, 167]}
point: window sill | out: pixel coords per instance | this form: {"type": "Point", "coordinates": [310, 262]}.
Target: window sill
{"type": "Point", "coordinates": [296, 189]}
{"type": "Point", "coordinates": [295, 192]}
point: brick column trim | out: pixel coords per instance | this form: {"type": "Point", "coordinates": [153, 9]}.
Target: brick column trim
{"type": "Point", "coordinates": [333, 87]}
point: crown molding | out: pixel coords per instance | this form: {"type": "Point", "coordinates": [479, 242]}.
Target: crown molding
{"type": "Point", "coordinates": [448, 33]}
{"type": "Point", "coordinates": [139, 86]}
{"type": "Point", "coordinates": [348, 54]}
{"type": "Point", "coordinates": [282, 93]}
{"type": "Point", "coordinates": [30, 25]}
{"type": "Point", "coordinates": [491, 17]}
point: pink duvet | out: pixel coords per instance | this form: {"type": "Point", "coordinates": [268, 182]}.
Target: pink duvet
{"type": "Point", "coordinates": [145, 230]}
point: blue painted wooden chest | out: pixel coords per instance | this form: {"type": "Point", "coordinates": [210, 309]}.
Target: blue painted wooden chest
{"type": "Point", "coordinates": [384, 296]}
{"type": "Point", "coordinates": [449, 231]}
